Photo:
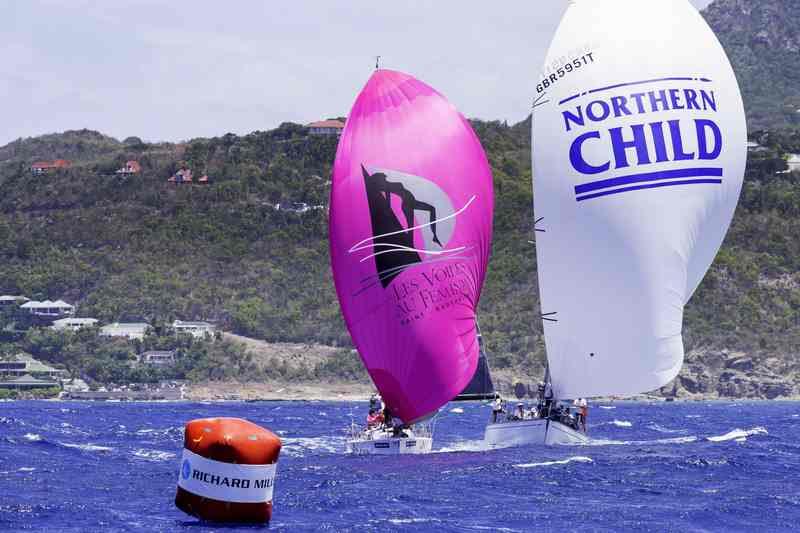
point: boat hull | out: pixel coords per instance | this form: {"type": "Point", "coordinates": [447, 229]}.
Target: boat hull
{"type": "Point", "coordinates": [524, 432]}
{"type": "Point", "coordinates": [390, 446]}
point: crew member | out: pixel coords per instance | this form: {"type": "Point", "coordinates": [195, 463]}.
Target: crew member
{"type": "Point", "coordinates": [497, 408]}
{"type": "Point", "coordinates": [375, 402]}
{"type": "Point", "coordinates": [548, 399]}
{"type": "Point", "coordinates": [388, 419]}
{"type": "Point", "coordinates": [374, 419]}
{"type": "Point", "coordinates": [583, 412]}
{"type": "Point", "coordinates": [520, 412]}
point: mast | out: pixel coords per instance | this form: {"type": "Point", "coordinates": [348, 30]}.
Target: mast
{"type": "Point", "coordinates": [480, 386]}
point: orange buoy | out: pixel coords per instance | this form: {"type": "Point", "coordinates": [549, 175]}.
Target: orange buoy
{"type": "Point", "coordinates": [227, 471]}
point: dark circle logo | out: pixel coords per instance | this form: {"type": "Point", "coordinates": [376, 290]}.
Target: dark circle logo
{"type": "Point", "coordinates": [186, 469]}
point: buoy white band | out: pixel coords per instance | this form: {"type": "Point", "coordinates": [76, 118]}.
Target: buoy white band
{"type": "Point", "coordinates": [226, 482]}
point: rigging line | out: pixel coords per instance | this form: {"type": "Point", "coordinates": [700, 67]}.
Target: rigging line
{"type": "Point", "coordinates": [408, 249]}
{"type": "Point", "coordinates": [538, 98]}
{"type": "Point", "coordinates": [546, 316]}
{"type": "Point", "coordinates": [358, 245]}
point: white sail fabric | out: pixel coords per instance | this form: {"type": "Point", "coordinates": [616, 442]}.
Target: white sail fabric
{"type": "Point", "coordinates": [639, 147]}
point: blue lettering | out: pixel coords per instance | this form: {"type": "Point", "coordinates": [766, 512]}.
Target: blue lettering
{"type": "Point", "coordinates": [603, 109]}
{"type": "Point", "coordinates": [576, 155]}
{"type": "Point", "coordinates": [709, 100]}
{"type": "Point", "coordinates": [620, 104]}
{"type": "Point", "coordinates": [661, 99]}
{"type": "Point", "coordinates": [675, 98]}
{"type": "Point", "coordinates": [657, 128]}
{"type": "Point", "coordinates": [576, 119]}
{"type": "Point", "coordinates": [702, 140]}
{"type": "Point", "coordinates": [677, 142]}
{"type": "Point", "coordinates": [639, 105]}
{"type": "Point", "coordinates": [620, 146]}
{"type": "Point", "coordinates": [691, 99]}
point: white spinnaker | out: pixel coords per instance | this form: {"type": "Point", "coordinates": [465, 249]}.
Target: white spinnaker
{"type": "Point", "coordinates": [624, 248]}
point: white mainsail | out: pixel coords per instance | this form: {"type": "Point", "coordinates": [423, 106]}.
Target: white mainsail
{"type": "Point", "coordinates": [639, 148]}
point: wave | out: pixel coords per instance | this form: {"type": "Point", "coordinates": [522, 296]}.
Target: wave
{"type": "Point", "coordinates": [298, 446]}
{"type": "Point", "coordinates": [457, 410]}
{"type": "Point", "coordinates": [576, 459]}
{"type": "Point", "coordinates": [608, 442]}
{"type": "Point", "coordinates": [88, 447]}
{"type": "Point", "coordinates": [660, 429]}
{"type": "Point", "coordinates": [617, 423]}
{"type": "Point", "coordinates": [607, 406]}
{"type": "Point", "coordinates": [739, 434]}
{"type": "Point", "coordinates": [33, 437]}
{"type": "Point", "coordinates": [153, 455]}
{"type": "Point", "coordinates": [400, 521]}
{"type": "Point", "coordinates": [463, 446]}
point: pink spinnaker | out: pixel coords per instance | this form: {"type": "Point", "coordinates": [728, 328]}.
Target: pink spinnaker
{"type": "Point", "coordinates": [410, 235]}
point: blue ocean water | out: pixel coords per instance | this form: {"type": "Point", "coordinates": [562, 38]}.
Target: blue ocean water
{"type": "Point", "coordinates": [87, 467]}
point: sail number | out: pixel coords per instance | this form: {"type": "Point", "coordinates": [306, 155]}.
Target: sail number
{"type": "Point", "coordinates": [563, 70]}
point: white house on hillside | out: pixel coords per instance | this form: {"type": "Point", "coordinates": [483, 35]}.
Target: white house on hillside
{"type": "Point", "coordinates": [130, 330]}
{"type": "Point", "coordinates": [48, 308]}
{"type": "Point", "coordinates": [196, 329]}
{"type": "Point", "coordinates": [73, 324]}
{"type": "Point", "coordinates": [9, 300]}
{"type": "Point", "coordinates": [793, 162]}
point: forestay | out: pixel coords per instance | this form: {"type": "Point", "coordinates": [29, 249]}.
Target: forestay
{"type": "Point", "coordinates": [410, 234]}
{"type": "Point", "coordinates": [639, 147]}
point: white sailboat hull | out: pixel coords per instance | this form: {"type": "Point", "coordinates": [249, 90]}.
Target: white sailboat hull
{"type": "Point", "coordinates": [524, 432]}
{"type": "Point", "coordinates": [390, 446]}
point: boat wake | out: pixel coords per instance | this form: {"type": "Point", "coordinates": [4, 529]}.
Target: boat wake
{"type": "Point", "coordinates": [739, 435]}
{"type": "Point", "coordinates": [608, 442]}
{"type": "Point", "coordinates": [303, 446]}
{"type": "Point", "coordinates": [463, 446]}
{"type": "Point", "coordinates": [576, 459]}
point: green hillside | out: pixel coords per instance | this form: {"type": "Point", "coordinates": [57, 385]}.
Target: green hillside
{"type": "Point", "coordinates": [140, 247]}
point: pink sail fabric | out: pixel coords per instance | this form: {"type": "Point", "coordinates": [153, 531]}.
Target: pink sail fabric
{"type": "Point", "coordinates": [410, 236]}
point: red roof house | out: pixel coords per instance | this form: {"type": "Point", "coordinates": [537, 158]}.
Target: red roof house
{"type": "Point", "coordinates": [326, 127]}
{"type": "Point", "coordinates": [43, 167]}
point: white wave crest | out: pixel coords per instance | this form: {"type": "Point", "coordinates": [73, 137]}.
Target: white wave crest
{"type": "Point", "coordinates": [300, 446]}
{"type": "Point", "coordinates": [576, 459]}
{"type": "Point", "coordinates": [618, 423]}
{"type": "Point", "coordinates": [89, 447]}
{"type": "Point", "coordinates": [607, 406]}
{"type": "Point", "coordinates": [608, 442]}
{"type": "Point", "coordinates": [399, 521]}
{"type": "Point", "coordinates": [739, 435]}
{"type": "Point", "coordinates": [26, 469]}
{"type": "Point", "coordinates": [32, 437]}
{"type": "Point", "coordinates": [457, 410]}
{"type": "Point", "coordinates": [153, 455]}
{"type": "Point", "coordinates": [463, 446]}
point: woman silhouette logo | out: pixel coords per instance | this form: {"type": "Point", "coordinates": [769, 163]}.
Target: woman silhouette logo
{"type": "Point", "coordinates": [393, 240]}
